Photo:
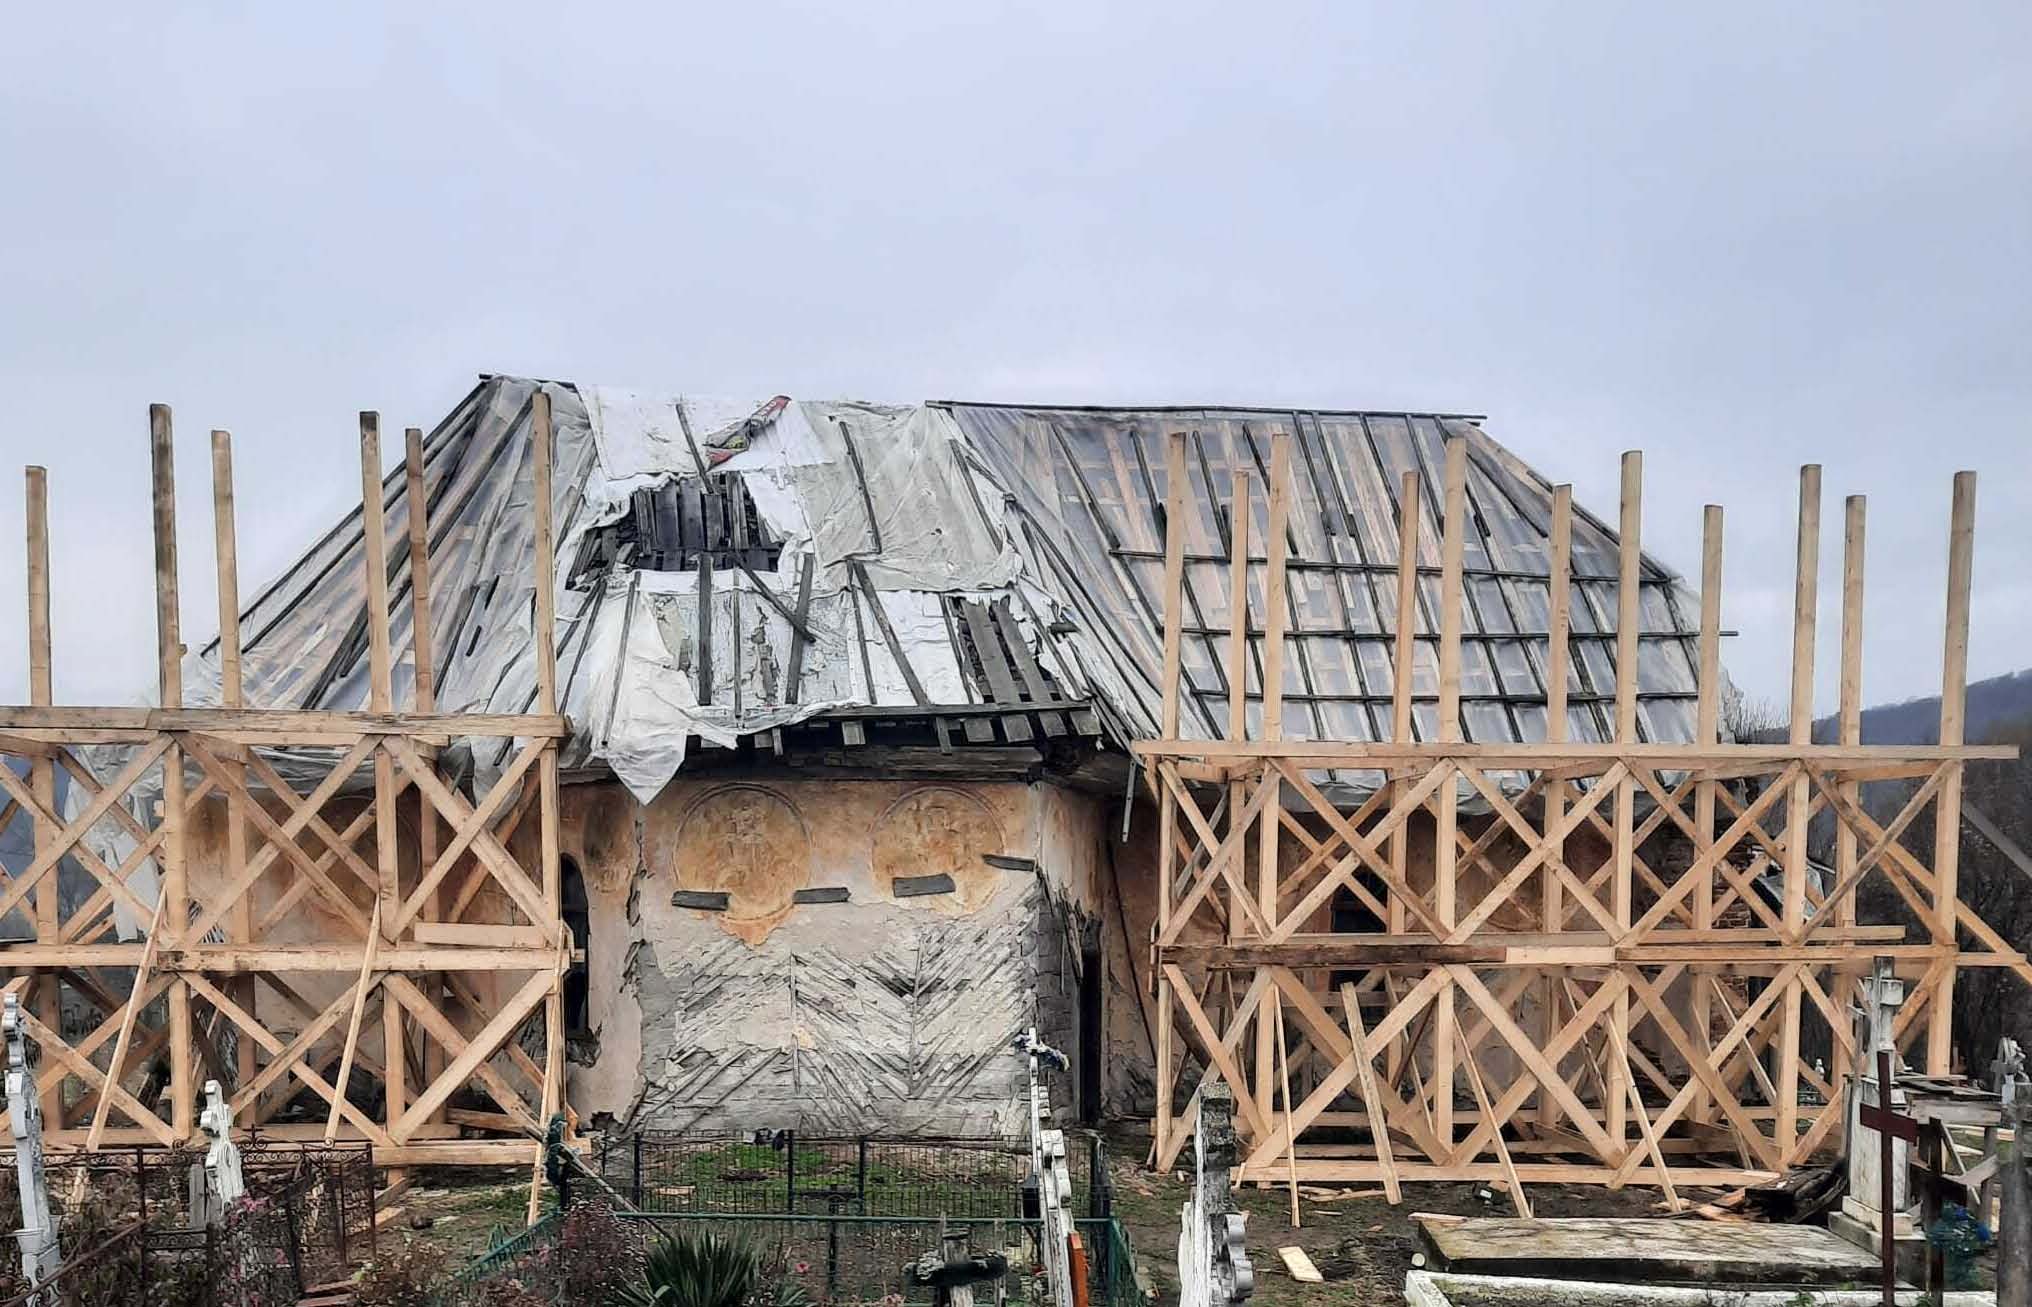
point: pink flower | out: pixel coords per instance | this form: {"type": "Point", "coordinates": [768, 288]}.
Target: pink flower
{"type": "Point", "coordinates": [802, 1267]}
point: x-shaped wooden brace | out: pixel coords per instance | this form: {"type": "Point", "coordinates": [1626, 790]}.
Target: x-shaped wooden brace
{"type": "Point", "coordinates": [1223, 863]}
{"type": "Point", "coordinates": [460, 814]}
{"type": "Point", "coordinates": [299, 1065]}
{"type": "Point", "coordinates": [1340, 1077]}
{"type": "Point", "coordinates": [69, 838]}
{"type": "Point", "coordinates": [479, 1049]}
{"type": "Point", "coordinates": [1710, 858]}
{"type": "Point", "coordinates": [1703, 1064]}
{"type": "Point", "coordinates": [1347, 831]}
{"type": "Point", "coordinates": [1543, 849]}
{"type": "Point", "coordinates": [1363, 849]}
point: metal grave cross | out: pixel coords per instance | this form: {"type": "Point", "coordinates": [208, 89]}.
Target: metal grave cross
{"type": "Point", "coordinates": [1885, 1119]}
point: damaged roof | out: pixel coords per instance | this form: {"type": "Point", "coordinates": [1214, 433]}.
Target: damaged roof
{"type": "Point", "coordinates": [728, 568]}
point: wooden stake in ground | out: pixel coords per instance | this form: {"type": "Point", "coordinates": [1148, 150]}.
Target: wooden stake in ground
{"type": "Point", "coordinates": [1290, 1133]}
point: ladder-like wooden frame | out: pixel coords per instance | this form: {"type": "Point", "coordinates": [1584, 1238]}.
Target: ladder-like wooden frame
{"type": "Point", "coordinates": [1599, 1012]}
{"type": "Point", "coordinates": [430, 999]}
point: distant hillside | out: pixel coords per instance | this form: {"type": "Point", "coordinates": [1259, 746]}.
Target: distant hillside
{"type": "Point", "coordinates": [1991, 703]}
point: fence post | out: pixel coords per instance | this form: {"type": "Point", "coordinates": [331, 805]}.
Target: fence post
{"type": "Point", "coordinates": [790, 1171]}
{"type": "Point", "coordinates": [289, 1201]}
{"type": "Point", "coordinates": [141, 1182]}
{"type": "Point", "coordinates": [638, 1172]}
{"type": "Point", "coordinates": [861, 1174]}
{"type": "Point", "coordinates": [339, 1179]}
{"type": "Point", "coordinates": [832, 1256]}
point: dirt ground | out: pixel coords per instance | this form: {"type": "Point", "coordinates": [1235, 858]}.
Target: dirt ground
{"type": "Point", "coordinates": [1362, 1244]}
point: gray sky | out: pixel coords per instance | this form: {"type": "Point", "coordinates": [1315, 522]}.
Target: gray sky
{"type": "Point", "coordinates": [1738, 237]}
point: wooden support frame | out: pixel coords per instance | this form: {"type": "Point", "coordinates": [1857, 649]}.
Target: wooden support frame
{"type": "Point", "coordinates": [199, 798]}
{"type": "Point", "coordinates": [1603, 886]}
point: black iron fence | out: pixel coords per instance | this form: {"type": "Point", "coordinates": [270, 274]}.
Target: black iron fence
{"type": "Point", "coordinates": [787, 1174]}
{"type": "Point", "coordinates": [130, 1235]}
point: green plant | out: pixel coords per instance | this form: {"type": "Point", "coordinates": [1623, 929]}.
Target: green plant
{"type": "Point", "coordinates": [694, 1270]}
{"type": "Point", "coordinates": [411, 1276]}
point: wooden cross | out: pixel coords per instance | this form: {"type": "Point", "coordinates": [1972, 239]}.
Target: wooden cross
{"type": "Point", "coordinates": [1887, 1121]}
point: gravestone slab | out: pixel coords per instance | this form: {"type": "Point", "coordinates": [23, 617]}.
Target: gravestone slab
{"type": "Point", "coordinates": [1644, 1251]}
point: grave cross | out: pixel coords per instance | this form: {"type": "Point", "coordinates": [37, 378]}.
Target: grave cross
{"type": "Point", "coordinates": [1885, 1118]}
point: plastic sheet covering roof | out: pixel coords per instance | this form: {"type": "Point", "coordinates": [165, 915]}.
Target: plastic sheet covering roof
{"type": "Point", "coordinates": [1046, 518]}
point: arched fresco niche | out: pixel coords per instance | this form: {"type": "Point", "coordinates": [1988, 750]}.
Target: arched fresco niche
{"type": "Point", "coordinates": [936, 830]}
{"type": "Point", "coordinates": [748, 843]}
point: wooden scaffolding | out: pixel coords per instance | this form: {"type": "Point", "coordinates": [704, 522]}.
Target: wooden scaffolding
{"type": "Point", "coordinates": [1577, 977]}
{"type": "Point", "coordinates": [448, 948]}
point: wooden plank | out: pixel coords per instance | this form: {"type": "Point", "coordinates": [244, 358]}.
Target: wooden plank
{"type": "Point", "coordinates": [421, 651]}
{"type": "Point", "coordinates": [1488, 1111]}
{"type": "Point", "coordinates": [360, 990]}
{"type": "Point", "coordinates": [87, 725]}
{"type": "Point", "coordinates": [1174, 577]}
{"type": "Point", "coordinates": [39, 682]}
{"type": "Point", "coordinates": [542, 439]}
{"type": "Point", "coordinates": [888, 631]}
{"type": "Point", "coordinates": [1453, 538]}
{"type": "Point", "coordinates": [1296, 1264]}
{"type": "Point", "coordinates": [1027, 665]}
{"type": "Point", "coordinates": [1805, 606]}
{"type": "Point", "coordinates": [128, 1014]}
{"type": "Point", "coordinates": [162, 479]}
{"type": "Point", "coordinates": [1290, 1131]}
{"type": "Point", "coordinates": [704, 670]}
{"type": "Point", "coordinates": [47, 996]}
{"type": "Point", "coordinates": [995, 666]}
{"type": "Point", "coordinates": [483, 1045]}
{"type": "Point", "coordinates": [1365, 1080]}
{"type": "Point", "coordinates": [1276, 610]}
{"type": "Point", "coordinates": [1239, 510]}
{"type": "Point", "coordinates": [1403, 660]}
{"type": "Point", "coordinates": [793, 680]}
{"type": "Point", "coordinates": [1953, 726]}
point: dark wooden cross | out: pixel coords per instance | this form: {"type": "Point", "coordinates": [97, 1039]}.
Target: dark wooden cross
{"type": "Point", "coordinates": [1885, 1120]}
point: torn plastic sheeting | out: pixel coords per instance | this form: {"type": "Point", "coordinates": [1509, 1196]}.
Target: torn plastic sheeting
{"type": "Point", "coordinates": [639, 704]}
{"type": "Point", "coordinates": [932, 532]}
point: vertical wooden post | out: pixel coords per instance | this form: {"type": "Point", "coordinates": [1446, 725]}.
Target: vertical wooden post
{"type": "Point", "coordinates": [1707, 731]}
{"type": "Point", "coordinates": [1799, 810]}
{"type": "Point", "coordinates": [1276, 546]}
{"type": "Point", "coordinates": [1961, 543]}
{"type": "Point", "coordinates": [1238, 607]}
{"type": "Point", "coordinates": [48, 992]}
{"type": "Point", "coordinates": [381, 698]}
{"type": "Point", "coordinates": [232, 694]}
{"type": "Point", "coordinates": [1404, 661]}
{"type": "Point", "coordinates": [546, 702]}
{"type": "Point", "coordinates": [1851, 732]}
{"type": "Point", "coordinates": [1558, 656]}
{"type": "Point", "coordinates": [1167, 815]}
{"type": "Point", "coordinates": [40, 689]}
{"type": "Point", "coordinates": [175, 888]}
{"type": "Point", "coordinates": [1446, 850]}
{"type": "Point", "coordinates": [424, 679]}
{"type": "Point", "coordinates": [1629, 627]}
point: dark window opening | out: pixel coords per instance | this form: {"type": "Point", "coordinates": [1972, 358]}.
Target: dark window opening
{"type": "Point", "coordinates": [668, 527]}
{"type": "Point", "coordinates": [578, 918]}
{"type": "Point", "coordinates": [1348, 915]}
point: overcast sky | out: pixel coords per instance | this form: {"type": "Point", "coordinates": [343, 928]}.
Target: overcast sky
{"type": "Point", "coordinates": [1739, 237]}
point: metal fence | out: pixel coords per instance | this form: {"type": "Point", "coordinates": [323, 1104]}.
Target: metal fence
{"type": "Point", "coordinates": [785, 1173]}
{"type": "Point", "coordinates": [838, 1259]}
{"type": "Point", "coordinates": [308, 1218]}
